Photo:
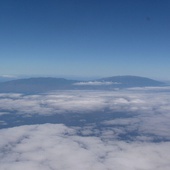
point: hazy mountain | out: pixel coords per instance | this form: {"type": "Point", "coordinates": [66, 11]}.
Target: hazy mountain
{"type": "Point", "coordinates": [132, 81]}
{"type": "Point", "coordinates": [4, 79]}
{"type": "Point", "coordinates": [44, 84]}
{"type": "Point", "coordinates": [33, 85]}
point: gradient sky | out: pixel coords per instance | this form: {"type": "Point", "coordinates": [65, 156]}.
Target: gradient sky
{"type": "Point", "coordinates": [85, 37]}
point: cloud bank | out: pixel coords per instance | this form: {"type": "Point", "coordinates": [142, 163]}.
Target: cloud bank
{"type": "Point", "coordinates": [86, 102]}
{"type": "Point", "coordinates": [135, 135]}
{"type": "Point", "coordinates": [57, 147]}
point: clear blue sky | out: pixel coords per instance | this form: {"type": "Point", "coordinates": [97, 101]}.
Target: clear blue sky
{"type": "Point", "coordinates": [85, 37]}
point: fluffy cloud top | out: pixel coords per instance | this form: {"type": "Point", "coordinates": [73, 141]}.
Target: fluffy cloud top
{"type": "Point", "coordinates": [86, 101]}
{"type": "Point", "coordinates": [58, 147]}
{"type": "Point", "coordinates": [138, 140]}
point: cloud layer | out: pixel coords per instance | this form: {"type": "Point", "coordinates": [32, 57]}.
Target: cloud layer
{"type": "Point", "coordinates": [57, 147]}
{"type": "Point", "coordinates": [86, 101]}
{"type": "Point", "coordinates": [128, 130]}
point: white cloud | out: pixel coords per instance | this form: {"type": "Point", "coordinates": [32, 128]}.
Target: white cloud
{"type": "Point", "coordinates": [121, 121]}
{"type": "Point", "coordinates": [95, 83]}
{"type": "Point", "coordinates": [157, 88]}
{"type": "Point", "coordinates": [10, 95]}
{"type": "Point", "coordinates": [3, 123]}
{"type": "Point", "coordinates": [86, 101]}
{"type": "Point", "coordinates": [8, 76]}
{"type": "Point", "coordinates": [58, 147]}
{"type": "Point", "coordinates": [120, 142]}
{"type": "Point", "coordinates": [3, 113]}
{"type": "Point", "coordinates": [148, 113]}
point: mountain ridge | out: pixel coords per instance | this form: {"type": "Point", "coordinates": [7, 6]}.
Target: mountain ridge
{"type": "Point", "coordinates": [129, 80]}
{"type": "Point", "coordinates": [45, 84]}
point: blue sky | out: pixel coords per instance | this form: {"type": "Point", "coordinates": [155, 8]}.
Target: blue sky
{"type": "Point", "coordinates": [85, 38]}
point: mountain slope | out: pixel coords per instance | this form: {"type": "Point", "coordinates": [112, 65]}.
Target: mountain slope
{"type": "Point", "coordinates": [43, 84]}
{"type": "Point", "coordinates": [132, 81]}
{"type": "Point", "coordinates": [34, 85]}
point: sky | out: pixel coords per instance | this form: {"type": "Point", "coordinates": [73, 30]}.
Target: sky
{"type": "Point", "coordinates": [88, 38]}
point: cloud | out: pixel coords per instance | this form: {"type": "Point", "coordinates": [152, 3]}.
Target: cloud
{"type": "Point", "coordinates": [133, 115]}
{"type": "Point", "coordinates": [8, 76]}
{"type": "Point", "coordinates": [132, 132]}
{"type": "Point", "coordinates": [58, 147]}
{"type": "Point", "coordinates": [158, 88]}
{"type": "Point", "coordinates": [95, 83]}
{"type": "Point", "coordinates": [3, 123]}
{"type": "Point", "coordinates": [10, 95]}
{"type": "Point", "coordinates": [3, 113]}
{"type": "Point", "coordinates": [121, 121]}
{"type": "Point", "coordinates": [87, 102]}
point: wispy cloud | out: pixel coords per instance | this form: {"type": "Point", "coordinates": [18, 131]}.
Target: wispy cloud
{"type": "Point", "coordinates": [8, 76]}
{"type": "Point", "coordinates": [95, 83]}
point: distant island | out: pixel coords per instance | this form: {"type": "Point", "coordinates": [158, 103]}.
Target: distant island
{"type": "Point", "coordinates": [45, 84]}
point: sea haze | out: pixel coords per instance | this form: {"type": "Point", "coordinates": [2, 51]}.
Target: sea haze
{"type": "Point", "coordinates": [125, 129]}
